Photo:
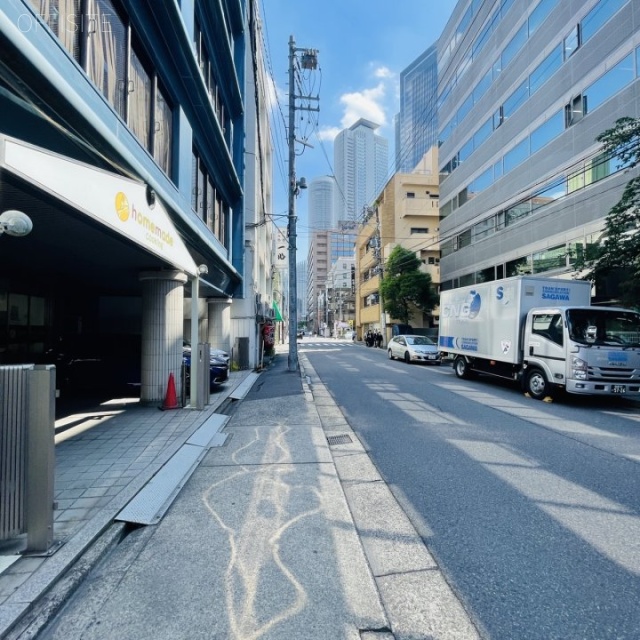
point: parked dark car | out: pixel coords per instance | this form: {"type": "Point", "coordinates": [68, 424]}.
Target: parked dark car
{"type": "Point", "coordinates": [218, 369]}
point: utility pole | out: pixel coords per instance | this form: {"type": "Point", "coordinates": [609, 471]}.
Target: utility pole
{"type": "Point", "coordinates": [308, 60]}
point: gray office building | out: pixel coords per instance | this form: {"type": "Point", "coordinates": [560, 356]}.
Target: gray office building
{"type": "Point", "coordinates": [524, 90]}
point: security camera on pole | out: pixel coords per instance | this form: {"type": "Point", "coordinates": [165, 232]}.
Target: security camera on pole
{"type": "Point", "coordinates": [308, 60]}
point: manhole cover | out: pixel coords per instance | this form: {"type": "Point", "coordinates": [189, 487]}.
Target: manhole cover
{"type": "Point", "coordinates": [343, 439]}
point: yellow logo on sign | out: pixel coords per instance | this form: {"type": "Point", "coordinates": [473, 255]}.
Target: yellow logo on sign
{"type": "Point", "coordinates": [122, 206]}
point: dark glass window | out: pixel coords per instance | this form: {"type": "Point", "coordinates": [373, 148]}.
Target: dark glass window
{"type": "Point", "coordinates": [139, 108]}
{"type": "Point", "coordinates": [63, 18]}
{"type": "Point", "coordinates": [163, 132]}
{"type": "Point", "coordinates": [107, 52]}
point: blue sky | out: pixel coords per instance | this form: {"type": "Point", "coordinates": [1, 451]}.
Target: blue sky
{"type": "Point", "coordinates": [363, 46]}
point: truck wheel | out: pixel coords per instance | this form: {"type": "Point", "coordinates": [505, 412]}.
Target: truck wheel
{"type": "Point", "coordinates": [536, 384]}
{"type": "Point", "coordinates": [461, 368]}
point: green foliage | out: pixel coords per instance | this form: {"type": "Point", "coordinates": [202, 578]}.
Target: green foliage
{"type": "Point", "coordinates": [404, 286]}
{"type": "Point", "coordinates": [619, 248]}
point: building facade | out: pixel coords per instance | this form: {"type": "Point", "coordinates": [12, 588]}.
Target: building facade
{"type": "Point", "coordinates": [417, 122]}
{"type": "Point", "coordinates": [130, 161]}
{"type": "Point", "coordinates": [406, 213]}
{"type": "Point", "coordinates": [524, 89]}
{"type": "Point", "coordinates": [361, 164]}
{"type": "Point", "coordinates": [321, 203]}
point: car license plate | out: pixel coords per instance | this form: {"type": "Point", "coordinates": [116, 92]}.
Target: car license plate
{"type": "Point", "coordinates": [432, 357]}
{"type": "Point", "coordinates": [618, 388]}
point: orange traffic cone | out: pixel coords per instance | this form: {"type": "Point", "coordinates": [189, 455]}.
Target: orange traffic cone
{"type": "Point", "coordinates": [170, 400]}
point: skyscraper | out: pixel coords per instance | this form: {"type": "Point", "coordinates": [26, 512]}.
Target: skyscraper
{"type": "Point", "coordinates": [321, 203]}
{"type": "Point", "coordinates": [361, 162]}
{"type": "Point", "coordinates": [417, 122]}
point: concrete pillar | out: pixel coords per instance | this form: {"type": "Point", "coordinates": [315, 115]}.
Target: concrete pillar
{"type": "Point", "coordinates": [162, 315]}
{"type": "Point", "coordinates": [219, 329]}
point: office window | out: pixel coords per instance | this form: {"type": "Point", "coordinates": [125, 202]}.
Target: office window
{"type": "Point", "coordinates": [464, 239]}
{"type": "Point", "coordinates": [63, 18]}
{"type": "Point", "coordinates": [163, 132]}
{"type": "Point", "coordinates": [498, 118]}
{"type": "Point", "coordinates": [514, 46]}
{"type": "Point", "coordinates": [485, 275]}
{"type": "Point", "coordinates": [601, 13]}
{"type": "Point", "coordinates": [482, 87]}
{"type": "Point", "coordinates": [482, 133]}
{"type": "Point", "coordinates": [540, 14]}
{"type": "Point", "coordinates": [483, 229]}
{"type": "Point", "coordinates": [547, 131]}
{"type": "Point", "coordinates": [139, 108]}
{"type": "Point", "coordinates": [609, 84]}
{"type": "Point", "coordinates": [482, 182]}
{"type": "Point", "coordinates": [545, 69]}
{"type": "Point", "coordinates": [419, 230]}
{"type": "Point", "coordinates": [521, 266]}
{"type": "Point", "coordinates": [466, 151]}
{"type": "Point", "coordinates": [571, 42]}
{"type": "Point", "coordinates": [516, 156]}
{"type": "Point", "coordinates": [574, 111]}
{"type": "Point", "coordinates": [515, 100]}
{"type": "Point", "coordinates": [550, 259]}
{"type": "Point", "coordinates": [465, 108]}
{"type": "Point", "coordinates": [107, 52]}
{"type": "Point", "coordinates": [517, 212]}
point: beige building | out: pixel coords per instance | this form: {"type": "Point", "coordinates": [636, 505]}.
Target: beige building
{"type": "Point", "coordinates": [406, 213]}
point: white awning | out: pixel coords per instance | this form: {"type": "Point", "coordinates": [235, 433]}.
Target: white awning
{"type": "Point", "coordinates": [116, 202]}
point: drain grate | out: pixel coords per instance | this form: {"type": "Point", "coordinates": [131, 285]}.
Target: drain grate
{"type": "Point", "coordinates": [343, 439]}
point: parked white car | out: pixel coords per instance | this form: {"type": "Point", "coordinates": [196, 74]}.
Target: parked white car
{"type": "Point", "coordinates": [412, 348]}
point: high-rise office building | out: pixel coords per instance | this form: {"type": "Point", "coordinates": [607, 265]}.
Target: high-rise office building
{"type": "Point", "coordinates": [524, 90]}
{"type": "Point", "coordinates": [361, 162]}
{"type": "Point", "coordinates": [417, 122]}
{"type": "Point", "coordinates": [321, 203]}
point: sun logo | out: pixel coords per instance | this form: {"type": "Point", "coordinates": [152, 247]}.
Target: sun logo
{"type": "Point", "coordinates": [122, 206]}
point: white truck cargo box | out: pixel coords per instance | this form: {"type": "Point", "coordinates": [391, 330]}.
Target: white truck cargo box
{"type": "Point", "coordinates": [485, 320]}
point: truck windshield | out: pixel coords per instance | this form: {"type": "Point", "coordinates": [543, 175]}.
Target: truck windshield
{"type": "Point", "coordinates": [604, 327]}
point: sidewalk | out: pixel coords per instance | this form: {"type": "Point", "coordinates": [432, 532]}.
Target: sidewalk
{"type": "Point", "coordinates": [285, 531]}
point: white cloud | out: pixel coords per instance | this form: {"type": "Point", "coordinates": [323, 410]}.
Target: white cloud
{"type": "Point", "coordinates": [328, 133]}
{"type": "Point", "coordinates": [368, 104]}
{"type": "Point", "coordinates": [383, 72]}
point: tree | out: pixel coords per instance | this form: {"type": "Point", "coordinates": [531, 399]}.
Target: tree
{"type": "Point", "coordinates": [619, 250]}
{"type": "Point", "coordinates": [404, 286]}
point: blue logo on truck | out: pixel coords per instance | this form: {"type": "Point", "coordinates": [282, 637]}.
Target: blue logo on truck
{"type": "Point", "coordinates": [474, 304]}
{"type": "Point", "coordinates": [470, 308]}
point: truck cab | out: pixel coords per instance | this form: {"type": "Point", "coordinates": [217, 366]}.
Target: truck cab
{"type": "Point", "coordinates": [586, 350]}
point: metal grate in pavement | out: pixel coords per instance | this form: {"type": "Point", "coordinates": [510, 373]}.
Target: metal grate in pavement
{"type": "Point", "coordinates": [342, 439]}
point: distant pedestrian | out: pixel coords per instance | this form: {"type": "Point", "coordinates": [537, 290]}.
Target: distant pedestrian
{"type": "Point", "coordinates": [378, 340]}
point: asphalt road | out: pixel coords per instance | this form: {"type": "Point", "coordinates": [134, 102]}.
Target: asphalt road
{"type": "Point", "coordinates": [531, 509]}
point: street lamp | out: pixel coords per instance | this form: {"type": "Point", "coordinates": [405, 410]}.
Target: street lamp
{"type": "Point", "coordinates": [15, 223]}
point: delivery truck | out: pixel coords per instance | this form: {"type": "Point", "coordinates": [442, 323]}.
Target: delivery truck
{"type": "Point", "coordinates": [543, 332]}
